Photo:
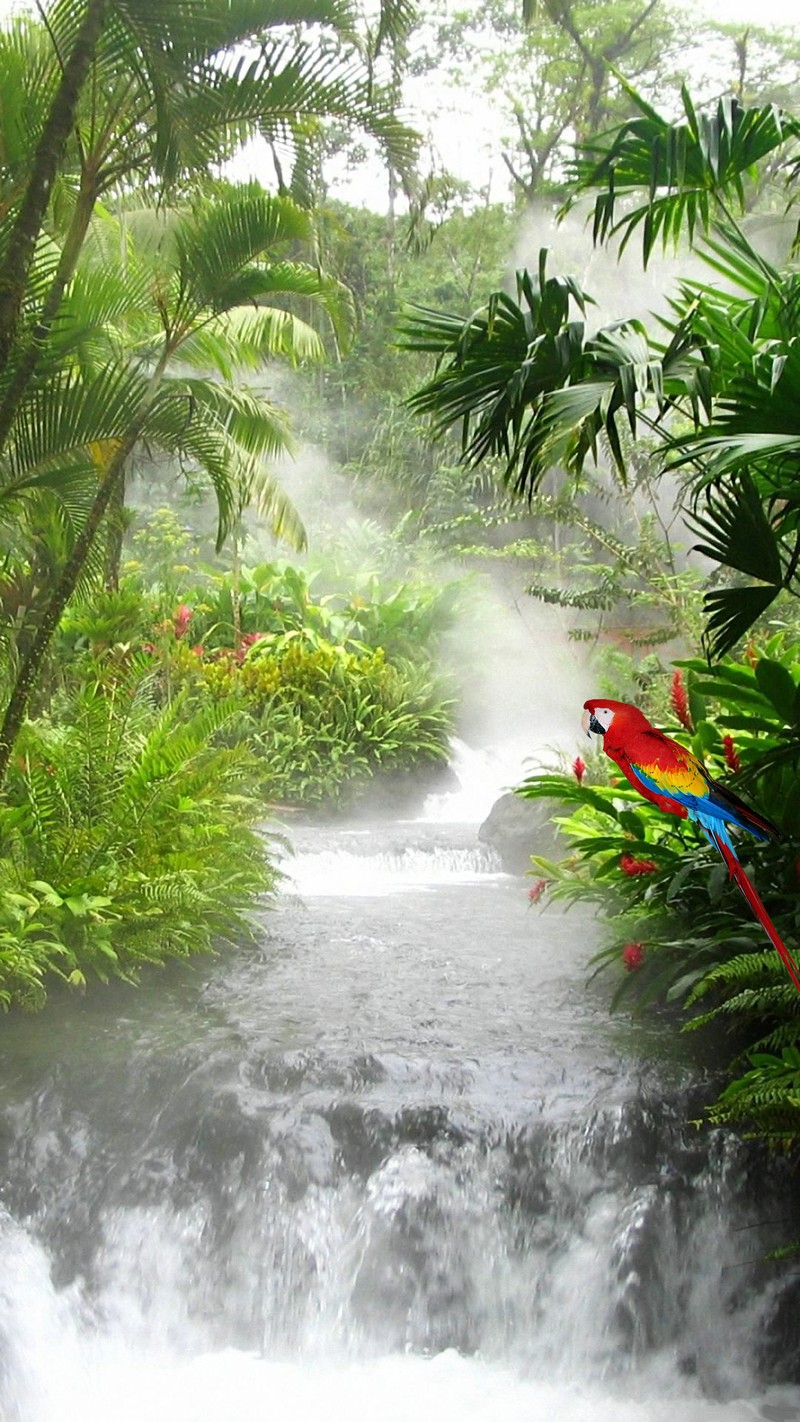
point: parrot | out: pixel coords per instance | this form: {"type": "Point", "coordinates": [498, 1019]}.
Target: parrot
{"type": "Point", "coordinates": [671, 777]}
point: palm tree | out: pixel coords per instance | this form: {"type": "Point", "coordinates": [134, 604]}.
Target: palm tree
{"type": "Point", "coordinates": [200, 289]}
{"type": "Point", "coordinates": [146, 92]}
{"type": "Point", "coordinates": [525, 381]}
{"type": "Point", "coordinates": [149, 93]}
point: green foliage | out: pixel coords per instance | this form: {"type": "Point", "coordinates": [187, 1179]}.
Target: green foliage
{"type": "Point", "coordinates": [766, 1098]}
{"type": "Point", "coordinates": [126, 837]}
{"type": "Point", "coordinates": [323, 720]}
{"type": "Point", "coordinates": [328, 689]}
{"type": "Point", "coordinates": [664, 891]}
{"type": "Point", "coordinates": [690, 170]}
{"type": "Point", "coordinates": [720, 391]}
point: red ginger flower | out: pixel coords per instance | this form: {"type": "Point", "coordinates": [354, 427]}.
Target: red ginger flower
{"type": "Point", "coordinates": [679, 701]}
{"type": "Point", "coordinates": [246, 641]}
{"type": "Point", "coordinates": [536, 890]}
{"type": "Point", "coordinates": [731, 754]}
{"type": "Point", "coordinates": [183, 617]}
{"type": "Point", "coordinates": [632, 866]}
{"type": "Point", "coordinates": [579, 768]}
{"type": "Point", "coordinates": [632, 956]}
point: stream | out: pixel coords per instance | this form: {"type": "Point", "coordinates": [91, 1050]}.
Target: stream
{"type": "Point", "coordinates": [395, 1162]}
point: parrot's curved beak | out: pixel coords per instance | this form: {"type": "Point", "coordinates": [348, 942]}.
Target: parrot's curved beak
{"type": "Point", "coordinates": [590, 724]}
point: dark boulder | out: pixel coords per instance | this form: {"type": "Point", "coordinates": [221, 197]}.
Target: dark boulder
{"type": "Point", "coordinates": [516, 828]}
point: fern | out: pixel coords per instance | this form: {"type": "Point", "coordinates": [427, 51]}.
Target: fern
{"type": "Point", "coordinates": [127, 836]}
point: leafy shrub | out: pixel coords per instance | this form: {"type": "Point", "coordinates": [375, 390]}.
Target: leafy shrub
{"type": "Point", "coordinates": [403, 617]}
{"type": "Point", "coordinates": [322, 720]}
{"type": "Point", "coordinates": [126, 836]}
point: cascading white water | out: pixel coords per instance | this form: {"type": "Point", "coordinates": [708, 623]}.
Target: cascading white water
{"type": "Point", "coordinates": [480, 775]}
{"type": "Point", "coordinates": [397, 1163]}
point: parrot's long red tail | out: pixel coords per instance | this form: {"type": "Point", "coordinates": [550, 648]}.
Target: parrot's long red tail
{"type": "Point", "coordinates": [737, 873]}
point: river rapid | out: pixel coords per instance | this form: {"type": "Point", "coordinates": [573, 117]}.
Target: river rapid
{"type": "Point", "coordinates": [395, 1162]}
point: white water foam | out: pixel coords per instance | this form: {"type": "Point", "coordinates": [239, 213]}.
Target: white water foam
{"type": "Point", "coordinates": [482, 775]}
{"type": "Point", "coordinates": [237, 1387]}
{"type": "Point", "coordinates": [337, 873]}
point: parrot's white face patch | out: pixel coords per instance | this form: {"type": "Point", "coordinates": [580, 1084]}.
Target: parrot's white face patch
{"type": "Point", "coordinates": [604, 715]}
{"type": "Point", "coordinates": [598, 720]}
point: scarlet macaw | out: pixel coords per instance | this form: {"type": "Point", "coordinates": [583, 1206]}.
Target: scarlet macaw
{"type": "Point", "coordinates": [672, 778]}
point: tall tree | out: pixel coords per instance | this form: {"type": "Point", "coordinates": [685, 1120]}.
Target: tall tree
{"type": "Point", "coordinates": [20, 242]}
{"type": "Point", "coordinates": [551, 80]}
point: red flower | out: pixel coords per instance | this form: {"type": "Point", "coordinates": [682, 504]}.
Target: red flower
{"type": "Point", "coordinates": [679, 700]}
{"type": "Point", "coordinates": [199, 650]}
{"type": "Point", "coordinates": [181, 621]}
{"type": "Point", "coordinates": [579, 769]}
{"type": "Point", "coordinates": [632, 866]}
{"type": "Point", "coordinates": [148, 647]}
{"type": "Point", "coordinates": [632, 956]}
{"type": "Point", "coordinates": [731, 753]}
{"type": "Point", "coordinates": [536, 890]}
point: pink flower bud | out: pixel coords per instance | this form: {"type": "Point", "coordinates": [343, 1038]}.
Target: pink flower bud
{"type": "Point", "coordinates": [731, 754]}
{"type": "Point", "coordinates": [679, 701]}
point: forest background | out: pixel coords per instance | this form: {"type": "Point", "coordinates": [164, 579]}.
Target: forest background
{"type": "Point", "coordinates": [187, 302]}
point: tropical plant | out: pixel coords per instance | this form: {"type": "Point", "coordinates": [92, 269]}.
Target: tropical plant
{"type": "Point", "coordinates": [142, 93]}
{"type": "Point", "coordinates": [207, 264]}
{"type": "Point", "coordinates": [149, 92]}
{"type": "Point", "coordinates": [679, 932]}
{"type": "Point", "coordinates": [765, 1100]}
{"type": "Point", "coordinates": [527, 383]}
{"type": "Point", "coordinates": [126, 836]}
{"type": "Point", "coordinates": [323, 720]}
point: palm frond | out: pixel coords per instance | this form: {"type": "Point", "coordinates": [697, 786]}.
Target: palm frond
{"type": "Point", "coordinates": [690, 170]}
{"type": "Point", "coordinates": [255, 424]}
{"type": "Point", "coordinates": [262, 489]}
{"type": "Point", "coordinates": [270, 333]}
{"type": "Point", "coordinates": [527, 385]}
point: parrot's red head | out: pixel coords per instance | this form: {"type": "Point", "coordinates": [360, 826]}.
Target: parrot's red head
{"type": "Point", "coordinates": [599, 715]}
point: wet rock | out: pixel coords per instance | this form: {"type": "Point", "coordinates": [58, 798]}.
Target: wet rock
{"type": "Point", "coordinates": [516, 828]}
{"type": "Point", "coordinates": [779, 1345]}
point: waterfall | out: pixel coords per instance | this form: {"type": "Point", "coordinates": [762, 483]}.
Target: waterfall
{"type": "Point", "coordinates": [396, 1162]}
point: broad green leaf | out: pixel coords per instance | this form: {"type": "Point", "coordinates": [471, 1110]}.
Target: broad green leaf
{"type": "Point", "coordinates": [778, 686]}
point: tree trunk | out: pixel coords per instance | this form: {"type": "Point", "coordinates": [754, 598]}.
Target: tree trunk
{"type": "Point", "coordinates": [49, 153]}
{"type": "Point", "coordinates": [17, 707]}
{"type": "Point", "coordinates": [28, 674]}
{"type": "Point", "coordinates": [115, 533]}
{"type": "Point", "coordinates": [26, 364]}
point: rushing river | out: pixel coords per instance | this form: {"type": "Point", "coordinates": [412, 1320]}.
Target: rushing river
{"type": "Point", "coordinates": [396, 1164]}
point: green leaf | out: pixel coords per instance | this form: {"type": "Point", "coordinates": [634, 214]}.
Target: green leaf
{"type": "Point", "coordinates": [778, 686]}
{"type": "Point", "coordinates": [738, 532]}
{"type": "Point", "coordinates": [731, 612]}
